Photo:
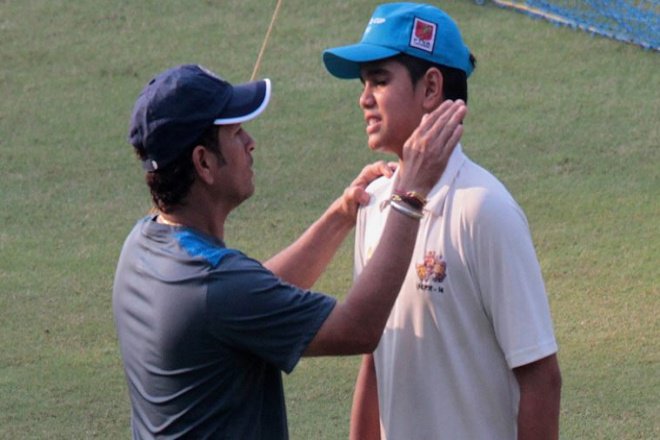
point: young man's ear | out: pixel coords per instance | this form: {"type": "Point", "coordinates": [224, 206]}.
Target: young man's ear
{"type": "Point", "coordinates": [433, 95]}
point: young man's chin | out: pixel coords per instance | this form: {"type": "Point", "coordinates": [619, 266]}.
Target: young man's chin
{"type": "Point", "coordinates": [381, 148]}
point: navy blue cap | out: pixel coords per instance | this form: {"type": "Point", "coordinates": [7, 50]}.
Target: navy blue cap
{"type": "Point", "coordinates": [178, 105]}
{"type": "Point", "coordinates": [418, 30]}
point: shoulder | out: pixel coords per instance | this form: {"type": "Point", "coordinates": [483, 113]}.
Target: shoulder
{"type": "Point", "coordinates": [200, 247]}
{"type": "Point", "coordinates": [481, 201]}
{"type": "Point", "coordinates": [379, 190]}
{"type": "Point", "coordinates": [479, 190]}
{"type": "Point", "coordinates": [243, 286]}
{"type": "Point", "coordinates": [380, 186]}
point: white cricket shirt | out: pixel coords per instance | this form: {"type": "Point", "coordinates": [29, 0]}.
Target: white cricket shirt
{"type": "Point", "coordinates": [473, 306]}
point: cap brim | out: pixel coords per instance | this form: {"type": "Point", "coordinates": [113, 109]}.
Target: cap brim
{"type": "Point", "coordinates": [248, 101]}
{"type": "Point", "coordinates": [344, 62]}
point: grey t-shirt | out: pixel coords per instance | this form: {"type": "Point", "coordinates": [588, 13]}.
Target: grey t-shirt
{"type": "Point", "coordinates": [204, 333]}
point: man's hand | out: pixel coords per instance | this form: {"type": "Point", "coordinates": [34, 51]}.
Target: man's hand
{"type": "Point", "coordinates": [355, 194]}
{"type": "Point", "coordinates": [427, 150]}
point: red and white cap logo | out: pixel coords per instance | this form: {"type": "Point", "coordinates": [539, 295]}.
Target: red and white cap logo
{"type": "Point", "coordinates": [423, 35]}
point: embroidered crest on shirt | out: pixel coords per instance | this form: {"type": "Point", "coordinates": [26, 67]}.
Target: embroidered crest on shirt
{"type": "Point", "coordinates": [431, 271]}
{"type": "Point", "coordinates": [423, 35]}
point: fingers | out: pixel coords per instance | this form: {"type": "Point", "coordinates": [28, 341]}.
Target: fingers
{"type": "Point", "coordinates": [352, 198]}
{"type": "Point", "coordinates": [355, 194]}
{"type": "Point", "coordinates": [449, 128]}
{"type": "Point", "coordinates": [454, 138]}
{"type": "Point", "coordinates": [386, 169]}
{"type": "Point", "coordinates": [439, 126]}
{"type": "Point", "coordinates": [359, 195]}
{"type": "Point", "coordinates": [430, 118]}
{"type": "Point", "coordinates": [392, 166]}
{"type": "Point", "coordinates": [372, 171]}
{"type": "Point", "coordinates": [443, 121]}
{"type": "Point", "coordinates": [445, 110]}
{"type": "Point", "coordinates": [427, 151]}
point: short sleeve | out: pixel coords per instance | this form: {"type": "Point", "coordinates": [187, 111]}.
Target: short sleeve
{"type": "Point", "coordinates": [511, 283]}
{"type": "Point", "coordinates": [252, 310]}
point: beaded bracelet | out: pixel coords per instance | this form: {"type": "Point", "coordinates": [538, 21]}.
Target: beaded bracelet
{"type": "Point", "coordinates": [406, 210]}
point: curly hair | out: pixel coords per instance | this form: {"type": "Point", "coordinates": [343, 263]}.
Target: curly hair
{"type": "Point", "coordinates": [454, 85]}
{"type": "Point", "coordinates": [170, 184]}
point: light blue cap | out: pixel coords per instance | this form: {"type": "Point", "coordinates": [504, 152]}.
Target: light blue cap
{"type": "Point", "coordinates": [418, 30]}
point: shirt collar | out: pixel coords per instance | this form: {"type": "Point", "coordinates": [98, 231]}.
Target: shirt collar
{"type": "Point", "coordinates": [436, 198]}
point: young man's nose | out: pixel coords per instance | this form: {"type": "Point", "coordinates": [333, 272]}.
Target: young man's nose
{"type": "Point", "coordinates": [366, 97]}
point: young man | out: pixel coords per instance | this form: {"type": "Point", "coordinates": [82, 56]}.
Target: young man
{"type": "Point", "coordinates": [468, 351]}
{"type": "Point", "coordinates": [204, 330]}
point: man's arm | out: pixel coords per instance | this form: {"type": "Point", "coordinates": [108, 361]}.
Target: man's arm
{"type": "Point", "coordinates": [365, 414]}
{"type": "Point", "coordinates": [319, 243]}
{"type": "Point", "coordinates": [540, 389]}
{"type": "Point", "coordinates": [356, 325]}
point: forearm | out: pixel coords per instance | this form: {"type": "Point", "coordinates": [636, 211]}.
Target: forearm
{"type": "Point", "coordinates": [313, 250]}
{"type": "Point", "coordinates": [540, 395]}
{"type": "Point", "coordinates": [538, 417]}
{"type": "Point", "coordinates": [365, 414]}
{"type": "Point", "coordinates": [356, 325]}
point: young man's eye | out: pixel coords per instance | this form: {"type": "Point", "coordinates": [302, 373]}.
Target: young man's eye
{"type": "Point", "coordinates": [379, 80]}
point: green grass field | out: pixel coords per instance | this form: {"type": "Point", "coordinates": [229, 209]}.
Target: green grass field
{"type": "Point", "coordinates": [568, 121]}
